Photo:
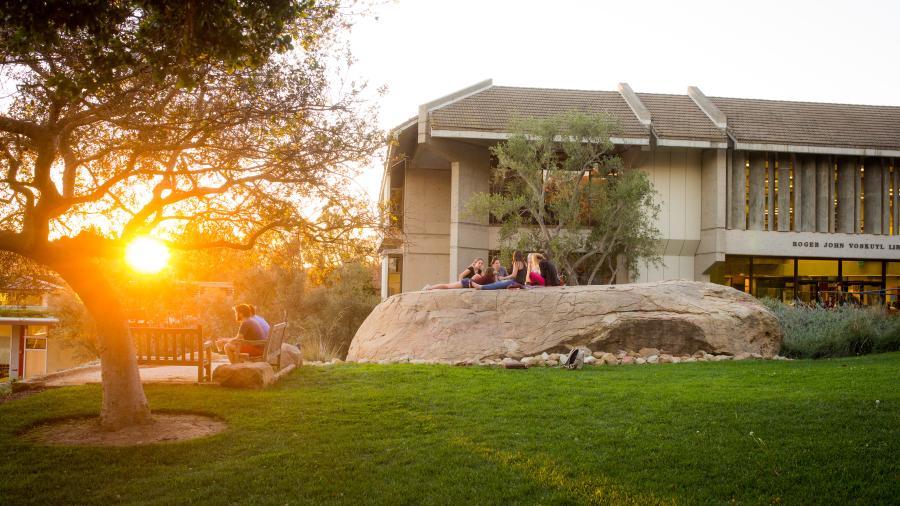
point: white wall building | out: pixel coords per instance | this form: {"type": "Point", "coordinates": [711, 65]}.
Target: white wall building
{"type": "Point", "coordinates": [780, 199]}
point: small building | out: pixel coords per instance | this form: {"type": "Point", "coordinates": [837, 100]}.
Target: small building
{"type": "Point", "coordinates": [790, 200]}
{"type": "Point", "coordinates": [26, 348]}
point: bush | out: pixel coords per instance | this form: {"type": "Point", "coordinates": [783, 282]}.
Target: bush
{"type": "Point", "coordinates": [818, 332]}
{"type": "Point", "coordinates": [335, 310]}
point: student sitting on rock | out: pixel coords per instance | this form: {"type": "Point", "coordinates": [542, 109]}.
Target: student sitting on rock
{"type": "Point", "coordinates": [499, 270]}
{"type": "Point", "coordinates": [534, 270]}
{"type": "Point", "coordinates": [549, 273]}
{"type": "Point", "coordinates": [472, 270]}
{"type": "Point", "coordinates": [484, 278]}
{"type": "Point", "coordinates": [516, 279]}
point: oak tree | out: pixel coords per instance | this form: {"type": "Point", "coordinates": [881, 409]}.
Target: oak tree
{"type": "Point", "coordinates": [209, 124]}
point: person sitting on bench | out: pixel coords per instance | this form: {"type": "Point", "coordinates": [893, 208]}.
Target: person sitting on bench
{"type": "Point", "coordinates": [262, 322]}
{"type": "Point", "coordinates": [250, 330]}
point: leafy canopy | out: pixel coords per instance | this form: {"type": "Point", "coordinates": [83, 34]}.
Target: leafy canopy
{"type": "Point", "coordinates": [559, 187]}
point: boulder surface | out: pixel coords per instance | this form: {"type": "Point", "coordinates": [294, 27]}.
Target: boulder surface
{"type": "Point", "coordinates": [676, 317]}
{"type": "Point", "coordinates": [244, 375]}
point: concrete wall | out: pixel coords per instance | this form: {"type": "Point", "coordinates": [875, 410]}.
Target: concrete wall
{"type": "Point", "coordinates": [426, 222]}
{"type": "Point", "coordinates": [677, 175]}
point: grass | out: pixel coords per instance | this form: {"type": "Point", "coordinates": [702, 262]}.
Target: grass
{"type": "Point", "coordinates": [750, 432]}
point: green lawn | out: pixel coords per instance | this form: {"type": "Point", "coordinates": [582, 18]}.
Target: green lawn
{"type": "Point", "coordinates": [752, 432]}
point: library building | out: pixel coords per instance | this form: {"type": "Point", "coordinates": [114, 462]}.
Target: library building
{"type": "Point", "coordinates": [779, 199]}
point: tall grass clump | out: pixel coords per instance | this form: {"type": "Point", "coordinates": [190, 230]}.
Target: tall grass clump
{"type": "Point", "coordinates": [819, 332]}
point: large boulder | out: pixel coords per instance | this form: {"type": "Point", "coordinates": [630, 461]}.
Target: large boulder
{"type": "Point", "coordinates": [244, 375]}
{"type": "Point", "coordinates": [676, 317]}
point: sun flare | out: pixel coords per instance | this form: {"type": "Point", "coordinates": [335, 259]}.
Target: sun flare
{"type": "Point", "coordinates": [146, 255]}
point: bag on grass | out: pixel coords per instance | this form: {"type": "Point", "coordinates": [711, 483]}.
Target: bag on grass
{"type": "Point", "coordinates": [575, 359]}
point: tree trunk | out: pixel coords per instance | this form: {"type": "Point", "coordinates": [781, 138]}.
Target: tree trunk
{"type": "Point", "coordinates": [124, 402]}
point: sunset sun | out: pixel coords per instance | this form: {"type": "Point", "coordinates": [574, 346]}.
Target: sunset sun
{"type": "Point", "coordinates": [146, 255]}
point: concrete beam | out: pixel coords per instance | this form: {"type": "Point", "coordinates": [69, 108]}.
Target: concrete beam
{"type": "Point", "coordinates": [824, 200]}
{"type": "Point", "coordinates": [885, 198]}
{"type": "Point", "coordinates": [634, 102]}
{"type": "Point", "coordinates": [896, 164]}
{"type": "Point", "coordinates": [737, 192]}
{"type": "Point", "coordinates": [784, 193]}
{"type": "Point", "coordinates": [872, 182]}
{"type": "Point", "coordinates": [708, 107]}
{"type": "Point", "coordinates": [806, 181]}
{"type": "Point", "coordinates": [846, 193]}
{"type": "Point", "coordinates": [771, 202]}
{"type": "Point", "coordinates": [756, 213]}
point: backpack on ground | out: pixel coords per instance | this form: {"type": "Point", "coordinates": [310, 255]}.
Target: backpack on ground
{"type": "Point", "coordinates": [575, 359]}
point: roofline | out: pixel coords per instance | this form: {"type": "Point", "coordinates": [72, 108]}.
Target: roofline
{"type": "Point", "coordinates": [502, 136]}
{"type": "Point", "coordinates": [427, 107]}
{"type": "Point", "coordinates": [691, 143]}
{"type": "Point", "coordinates": [817, 150]}
{"type": "Point", "coordinates": [14, 320]}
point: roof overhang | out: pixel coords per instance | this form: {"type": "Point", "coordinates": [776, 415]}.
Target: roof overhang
{"type": "Point", "coordinates": [816, 150]}
{"type": "Point", "coordinates": [502, 136]}
{"type": "Point", "coordinates": [14, 320]}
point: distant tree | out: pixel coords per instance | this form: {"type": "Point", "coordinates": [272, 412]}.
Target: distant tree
{"type": "Point", "coordinates": [561, 189]}
{"type": "Point", "coordinates": [210, 123]}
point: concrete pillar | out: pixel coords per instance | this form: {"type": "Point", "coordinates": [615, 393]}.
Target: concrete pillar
{"type": "Point", "coordinates": [468, 235]}
{"type": "Point", "coordinates": [885, 198]}
{"type": "Point", "coordinates": [784, 192]}
{"type": "Point", "coordinates": [798, 194]}
{"type": "Point", "coordinates": [857, 202]}
{"type": "Point", "coordinates": [14, 351]}
{"type": "Point", "coordinates": [737, 202]}
{"type": "Point", "coordinates": [896, 165]}
{"type": "Point", "coordinates": [713, 189]}
{"type": "Point", "coordinates": [770, 201]}
{"type": "Point", "coordinates": [806, 181]}
{"type": "Point", "coordinates": [824, 204]}
{"type": "Point", "coordinates": [756, 213]}
{"type": "Point", "coordinates": [873, 196]}
{"type": "Point", "coordinates": [846, 193]}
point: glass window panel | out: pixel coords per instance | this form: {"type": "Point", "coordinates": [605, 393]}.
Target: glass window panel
{"type": "Point", "coordinates": [773, 278]}
{"type": "Point", "coordinates": [35, 343]}
{"type": "Point", "coordinates": [734, 272]}
{"type": "Point", "coordinates": [817, 281]}
{"type": "Point", "coordinates": [861, 279]}
{"type": "Point", "coordinates": [892, 284]}
{"type": "Point", "coordinates": [36, 330]}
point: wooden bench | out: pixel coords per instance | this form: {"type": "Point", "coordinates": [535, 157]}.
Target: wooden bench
{"type": "Point", "coordinates": [270, 349]}
{"type": "Point", "coordinates": [173, 346]}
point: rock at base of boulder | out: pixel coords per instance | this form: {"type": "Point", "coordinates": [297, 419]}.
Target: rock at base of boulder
{"type": "Point", "coordinates": [511, 363]}
{"type": "Point", "coordinates": [290, 355]}
{"type": "Point", "coordinates": [244, 375]}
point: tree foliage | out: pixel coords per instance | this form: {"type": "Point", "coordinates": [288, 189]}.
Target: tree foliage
{"type": "Point", "coordinates": [210, 124]}
{"type": "Point", "coordinates": [560, 188]}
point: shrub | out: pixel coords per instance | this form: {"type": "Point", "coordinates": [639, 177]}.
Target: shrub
{"type": "Point", "coordinates": [818, 332]}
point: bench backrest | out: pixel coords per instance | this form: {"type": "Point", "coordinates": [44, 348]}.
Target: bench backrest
{"type": "Point", "coordinates": [156, 344]}
{"type": "Point", "coordinates": [273, 346]}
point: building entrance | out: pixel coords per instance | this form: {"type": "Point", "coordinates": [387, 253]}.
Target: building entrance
{"type": "Point", "coordinates": [809, 280]}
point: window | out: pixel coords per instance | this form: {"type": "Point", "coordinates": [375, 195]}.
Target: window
{"type": "Point", "coordinates": [35, 343]}
{"type": "Point", "coordinates": [395, 274]}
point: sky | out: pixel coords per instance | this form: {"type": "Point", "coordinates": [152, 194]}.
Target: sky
{"type": "Point", "coordinates": [820, 51]}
